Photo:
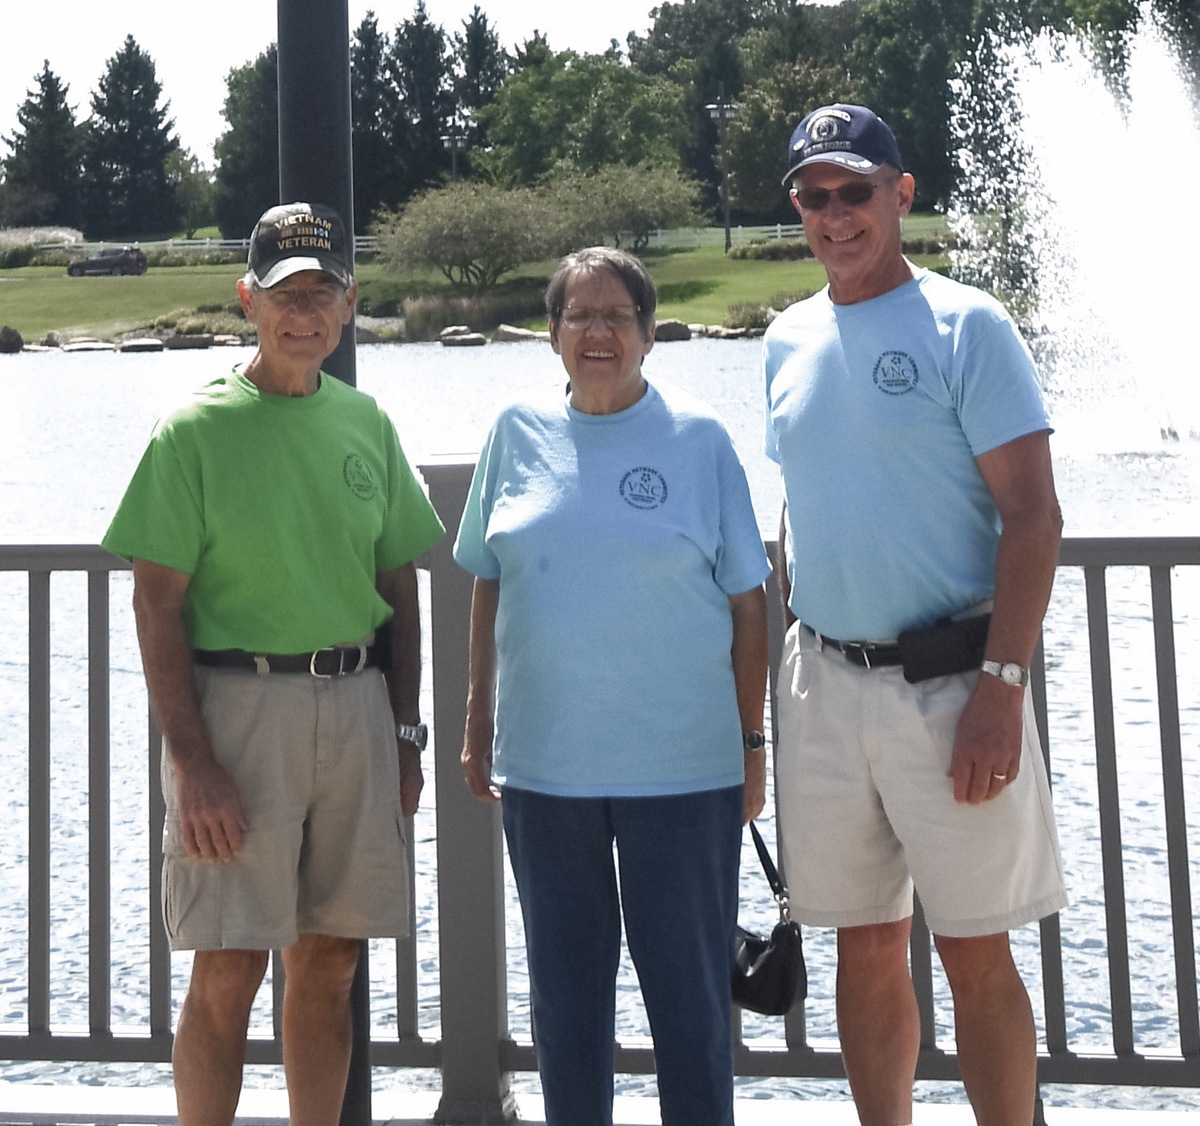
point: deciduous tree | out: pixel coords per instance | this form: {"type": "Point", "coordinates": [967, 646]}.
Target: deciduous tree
{"type": "Point", "coordinates": [569, 112]}
{"type": "Point", "coordinates": [473, 233]}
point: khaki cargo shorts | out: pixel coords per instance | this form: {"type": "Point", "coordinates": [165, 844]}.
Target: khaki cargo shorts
{"type": "Point", "coordinates": [316, 765]}
{"type": "Point", "coordinates": [866, 809]}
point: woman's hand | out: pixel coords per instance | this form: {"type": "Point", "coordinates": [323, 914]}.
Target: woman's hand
{"type": "Point", "coordinates": [477, 768]}
{"type": "Point", "coordinates": [754, 789]}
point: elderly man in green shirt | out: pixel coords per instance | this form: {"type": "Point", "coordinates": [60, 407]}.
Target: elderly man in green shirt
{"type": "Point", "coordinates": [273, 524]}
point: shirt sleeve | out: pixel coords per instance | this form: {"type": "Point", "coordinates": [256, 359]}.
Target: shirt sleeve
{"type": "Point", "coordinates": [411, 526]}
{"type": "Point", "coordinates": [742, 561]}
{"type": "Point", "coordinates": [471, 550]}
{"type": "Point", "coordinates": [161, 516]}
{"type": "Point", "coordinates": [995, 382]}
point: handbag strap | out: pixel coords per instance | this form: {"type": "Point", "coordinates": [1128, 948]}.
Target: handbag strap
{"type": "Point", "coordinates": [772, 873]}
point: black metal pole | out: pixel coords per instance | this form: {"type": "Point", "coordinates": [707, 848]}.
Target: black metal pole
{"type": "Point", "coordinates": [316, 165]}
{"type": "Point", "coordinates": [315, 151]}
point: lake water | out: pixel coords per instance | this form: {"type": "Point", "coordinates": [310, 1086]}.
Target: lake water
{"type": "Point", "coordinates": [73, 426]}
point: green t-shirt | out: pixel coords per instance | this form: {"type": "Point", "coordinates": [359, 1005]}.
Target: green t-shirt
{"type": "Point", "coordinates": [282, 510]}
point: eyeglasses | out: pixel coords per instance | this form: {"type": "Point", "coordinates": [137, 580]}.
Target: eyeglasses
{"type": "Point", "coordinates": [853, 194]}
{"type": "Point", "coordinates": [618, 318]}
{"type": "Point", "coordinates": [319, 296]}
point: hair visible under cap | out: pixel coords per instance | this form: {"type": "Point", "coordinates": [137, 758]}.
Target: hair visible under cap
{"type": "Point", "coordinates": [633, 275]}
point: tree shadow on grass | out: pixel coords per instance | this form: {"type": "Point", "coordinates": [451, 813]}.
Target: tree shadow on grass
{"type": "Point", "coordinates": [686, 290]}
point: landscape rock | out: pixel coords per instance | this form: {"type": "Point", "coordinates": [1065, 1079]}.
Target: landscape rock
{"type": "Point", "coordinates": [454, 330]}
{"type": "Point", "coordinates": [506, 333]}
{"type": "Point", "coordinates": [52, 340]}
{"type": "Point", "coordinates": [10, 340]}
{"type": "Point", "coordinates": [463, 340]}
{"type": "Point", "coordinates": [672, 329]}
{"type": "Point", "coordinates": [141, 344]}
{"type": "Point", "coordinates": [189, 340]}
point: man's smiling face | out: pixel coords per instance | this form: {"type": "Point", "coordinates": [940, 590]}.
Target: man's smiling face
{"type": "Point", "coordinates": [857, 243]}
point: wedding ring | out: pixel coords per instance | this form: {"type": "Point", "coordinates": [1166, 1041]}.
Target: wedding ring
{"type": "Point", "coordinates": [1000, 777]}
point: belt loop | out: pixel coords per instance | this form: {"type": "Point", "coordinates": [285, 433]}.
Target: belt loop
{"type": "Point", "coordinates": [261, 665]}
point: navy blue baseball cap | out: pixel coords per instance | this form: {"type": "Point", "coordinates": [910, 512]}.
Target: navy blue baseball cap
{"type": "Point", "coordinates": [851, 136]}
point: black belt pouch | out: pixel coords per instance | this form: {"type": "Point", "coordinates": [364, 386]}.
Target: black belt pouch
{"type": "Point", "coordinates": [943, 648]}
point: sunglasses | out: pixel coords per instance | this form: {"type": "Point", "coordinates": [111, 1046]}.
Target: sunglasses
{"type": "Point", "coordinates": [853, 194]}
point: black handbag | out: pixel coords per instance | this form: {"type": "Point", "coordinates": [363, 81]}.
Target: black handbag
{"type": "Point", "coordinates": [769, 975]}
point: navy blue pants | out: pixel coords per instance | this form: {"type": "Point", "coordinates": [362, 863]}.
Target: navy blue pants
{"type": "Point", "coordinates": [678, 863]}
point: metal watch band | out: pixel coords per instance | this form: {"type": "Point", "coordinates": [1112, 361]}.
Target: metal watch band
{"type": "Point", "coordinates": [1007, 671]}
{"type": "Point", "coordinates": [415, 733]}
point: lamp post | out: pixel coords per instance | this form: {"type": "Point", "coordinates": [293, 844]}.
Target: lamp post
{"type": "Point", "coordinates": [455, 142]}
{"type": "Point", "coordinates": [722, 113]}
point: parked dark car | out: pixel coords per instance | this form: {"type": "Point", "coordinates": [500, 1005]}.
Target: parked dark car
{"type": "Point", "coordinates": [116, 260]}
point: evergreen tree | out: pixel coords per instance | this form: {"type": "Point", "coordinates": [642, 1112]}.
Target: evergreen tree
{"type": "Point", "coordinates": [480, 67]}
{"type": "Point", "coordinates": [247, 152]}
{"type": "Point", "coordinates": [127, 141]}
{"type": "Point", "coordinates": [42, 171]}
{"type": "Point", "coordinates": [375, 110]}
{"type": "Point", "coordinates": [420, 69]}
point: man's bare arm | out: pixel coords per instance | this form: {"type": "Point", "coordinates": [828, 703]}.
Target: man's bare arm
{"type": "Point", "coordinates": [399, 588]}
{"type": "Point", "coordinates": [987, 750]}
{"type": "Point", "coordinates": [210, 807]}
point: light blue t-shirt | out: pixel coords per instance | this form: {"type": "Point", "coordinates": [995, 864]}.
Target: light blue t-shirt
{"type": "Point", "coordinates": [876, 413]}
{"type": "Point", "coordinates": [617, 540]}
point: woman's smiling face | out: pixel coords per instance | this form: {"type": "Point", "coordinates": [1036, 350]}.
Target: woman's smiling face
{"type": "Point", "coordinates": [601, 342]}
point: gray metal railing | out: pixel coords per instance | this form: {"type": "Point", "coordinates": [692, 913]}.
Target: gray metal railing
{"type": "Point", "coordinates": [475, 1049]}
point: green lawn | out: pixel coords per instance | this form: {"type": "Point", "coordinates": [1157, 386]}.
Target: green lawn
{"type": "Point", "coordinates": [694, 285]}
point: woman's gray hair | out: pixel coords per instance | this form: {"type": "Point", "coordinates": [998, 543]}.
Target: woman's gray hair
{"type": "Point", "coordinates": [633, 275]}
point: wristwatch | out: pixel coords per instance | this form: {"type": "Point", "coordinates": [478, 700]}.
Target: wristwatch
{"type": "Point", "coordinates": [1007, 671]}
{"type": "Point", "coordinates": [753, 740]}
{"type": "Point", "coordinates": [415, 733]}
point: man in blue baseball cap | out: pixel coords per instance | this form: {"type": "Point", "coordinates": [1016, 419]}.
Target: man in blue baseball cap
{"type": "Point", "coordinates": [918, 546]}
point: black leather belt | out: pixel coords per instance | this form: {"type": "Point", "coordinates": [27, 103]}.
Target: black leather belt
{"type": "Point", "coordinates": [341, 660]}
{"type": "Point", "coordinates": [866, 654]}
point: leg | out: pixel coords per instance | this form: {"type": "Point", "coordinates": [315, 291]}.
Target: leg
{"type": "Point", "coordinates": [319, 971]}
{"type": "Point", "coordinates": [562, 858]}
{"type": "Point", "coordinates": [878, 1021]}
{"type": "Point", "coordinates": [993, 1024]}
{"type": "Point", "coordinates": [210, 1042]}
{"type": "Point", "coordinates": [679, 877]}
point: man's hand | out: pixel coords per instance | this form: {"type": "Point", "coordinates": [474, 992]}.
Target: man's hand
{"type": "Point", "coordinates": [210, 812]}
{"type": "Point", "coordinates": [754, 789]}
{"type": "Point", "coordinates": [987, 741]}
{"type": "Point", "coordinates": [412, 779]}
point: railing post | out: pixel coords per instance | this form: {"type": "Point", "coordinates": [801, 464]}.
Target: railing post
{"type": "Point", "coordinates": [475, 1086]}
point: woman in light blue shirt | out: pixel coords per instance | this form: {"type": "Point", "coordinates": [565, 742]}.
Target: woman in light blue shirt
{"type": "Point", "coordinates": [617, 674]}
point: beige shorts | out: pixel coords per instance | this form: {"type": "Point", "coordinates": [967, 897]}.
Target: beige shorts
{"type": "Point", "coordinates": [866, 809]}
{"type": "Point", "coordinates": [316, 766]}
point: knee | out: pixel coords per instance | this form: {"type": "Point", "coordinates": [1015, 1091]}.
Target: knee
{"type": "Point", "coordinates": [321, 964]}
{"type": "Point", "coordinates": [977, 966]}
{"type": "Point", "coordinates": [224, 982]}
{"type": "Point", "coordinates": [876, 949]}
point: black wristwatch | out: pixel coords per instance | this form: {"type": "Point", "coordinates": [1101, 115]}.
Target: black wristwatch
{"type": "Point", "coordinates": [753, 740]}
{"type": "Point", "coordinates": [415, 733]}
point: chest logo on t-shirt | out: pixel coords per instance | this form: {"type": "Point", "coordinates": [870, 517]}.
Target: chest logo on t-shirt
{"type": "Point", "coordinates": [644, 488]}
{"type": "Point", "coordinates": [358, 477]}
{"type": "Point", "coordinates": [895, 373]}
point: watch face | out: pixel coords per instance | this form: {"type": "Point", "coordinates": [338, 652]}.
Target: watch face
{"type": "Point", "coordinates": [1012, 674]}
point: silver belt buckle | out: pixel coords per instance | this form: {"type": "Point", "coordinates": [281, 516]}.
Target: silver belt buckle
{"type": "Point", "coordinates": [341, 651]}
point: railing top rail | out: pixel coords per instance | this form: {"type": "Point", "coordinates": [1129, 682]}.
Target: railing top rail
{"type": "Point", "coordinates": [1077, 551]}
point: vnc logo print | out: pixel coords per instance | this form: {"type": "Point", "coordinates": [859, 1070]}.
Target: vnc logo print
{"type": "Point", "coordinates": [357, 474]}
{"type": "Point", "coordinates": [643, 488]}
{"type": "Point", "coordinates": [895, 373]}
